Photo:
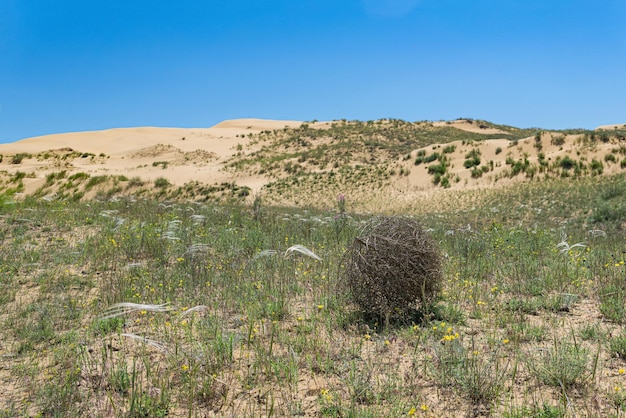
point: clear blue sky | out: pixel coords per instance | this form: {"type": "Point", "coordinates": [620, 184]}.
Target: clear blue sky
{"type": "Point", "coordinates": [72, 65]}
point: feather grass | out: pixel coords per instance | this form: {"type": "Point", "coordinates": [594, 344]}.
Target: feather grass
{"type": "Point", "coordinates": [152, 343]}
{"type": "Point", "coordinates": [124, 308]}
{"type": "Point", "coordinates": [302, 250]}
{"type": "Point", "coordinates": [564, 247]}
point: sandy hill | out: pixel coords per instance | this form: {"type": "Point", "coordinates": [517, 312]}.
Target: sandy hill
{"type": "Point", "coordinates": [292, 162]}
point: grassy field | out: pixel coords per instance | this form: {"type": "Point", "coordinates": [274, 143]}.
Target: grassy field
{"type": "Point", "coordinates": [225, 317]}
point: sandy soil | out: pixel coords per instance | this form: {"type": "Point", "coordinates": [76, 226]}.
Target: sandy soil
{"type": "Point", "coordinates": [200, 154]}
{"type": "Point", "coordinates": [194, 154]}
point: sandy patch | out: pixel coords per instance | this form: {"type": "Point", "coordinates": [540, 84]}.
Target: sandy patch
{"type": "Point", "coordinates": [473, 126]}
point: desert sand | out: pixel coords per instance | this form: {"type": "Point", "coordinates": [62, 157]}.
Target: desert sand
{"type": "Point", "coordinates": [185, 155]}
{"type": "Point", "coordinates": [193, 154]}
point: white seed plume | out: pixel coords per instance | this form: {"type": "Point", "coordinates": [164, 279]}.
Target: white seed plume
{"type": "Point", "coordinates": [127, 307]}
{"type": "Point", "coordinates": [199, 308]}
{"type": "Point", "coordinates": [596, 233]}
{"type": "Point", "coordinates": [265, 253]}
{"type": "Point", "coordinates": [302, 250]}
{"type": "Point", "coordinates": [197, 248]}
{"type": "Point", "coordinates": [153, 343]}
{"type": "Point", "coordinates": [564, 247]}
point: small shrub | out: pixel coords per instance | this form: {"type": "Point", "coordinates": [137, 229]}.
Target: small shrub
{"type": "Point", "coordinates": [437, 169]}
{"type": "Point", "coordinates": [538, 143]}
{"type": "Point", "coordinates": [480, 377]}
{"type": "Point", "coordinates": [135, 182]}
{"type": "Point", "coordinates": [449, 149]}
{"type": "Point", "coordinates": [610, 158]}
{"type": "Point", "coordinates": [472, 159]}
{"type": "Point", "coordinates": [566, 163]}
{"type": "Point", "coordinates": [432, 157]}
{"type": "Point", "coordinates": [618, 346]}
{"type": "Point", "coordinates": [563, 366]}
{"type": "Point", "coordinates": [161, 182]}
{"type": "Point", "coordinates": [17, 158]}
{"type": "Point", "coordinates": [596, 167]}
{"type": "Point", "coordinates": [18, 176]}
{"type": "Point", "coordinates": [612, 301]}
{"type": "Point", "coordinates": [94, 181]}
{"type": "Point", "coordinates": [498, 150]}
{"type": "Point", "coordinates": [558, 140]}
{"type": "Point", "coordinates": [78, 176]}
{"type": "Point", "coordinates": [477, 173]}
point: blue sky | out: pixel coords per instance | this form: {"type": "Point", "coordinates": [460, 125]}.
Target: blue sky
{"type": "Point", "coordinates": [73, 65]}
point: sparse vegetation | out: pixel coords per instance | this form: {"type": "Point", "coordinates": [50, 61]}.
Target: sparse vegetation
{"type": "Point", "coordinates": [472, 159]}
{"type": "Point", "coordinates": [392, 267]}
{"type": "Point", "coordinates": [255, 304]}
{"type": "Point", "coordinates": [200, 300]}
{"type": "Point", "coordinates": [161, 182]}
{"type": "Point", "coordinates": [163, 164]}
{"type": "Point", "coordinates": [19, 157]}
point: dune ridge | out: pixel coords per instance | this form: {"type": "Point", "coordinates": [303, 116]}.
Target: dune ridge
{"type": "Point", "coordinates": [296, 162]}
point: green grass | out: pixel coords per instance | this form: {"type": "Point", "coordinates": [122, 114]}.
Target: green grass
{"type": "Point", "coordinates": [523, 327]}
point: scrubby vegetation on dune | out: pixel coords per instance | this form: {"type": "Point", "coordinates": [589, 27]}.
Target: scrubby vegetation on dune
{"type": "Point", "coordinates": [306, 165]}
{"type": "Point", "coordinates": [137, 307]}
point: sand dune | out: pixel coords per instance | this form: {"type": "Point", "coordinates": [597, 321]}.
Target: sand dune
{"type": "Point", "coordinates": [190, 155]}
{"type": "Point", "coordinates": [256, 124]}
{"type": "Point", "coordinates": [611, 127]}
{"type": "Point", "coordinates": [466, 125]}
{"type": "Point", "coordinates": [123, 140]}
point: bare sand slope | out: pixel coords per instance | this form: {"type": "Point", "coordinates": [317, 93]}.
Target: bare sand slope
{"type": "Point", "coordinates": [181, 154]}
{"type": "Point", "coordinates": [120, 141]}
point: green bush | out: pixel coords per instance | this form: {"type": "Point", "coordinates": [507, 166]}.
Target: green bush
{"type": "Point", "coordinates": [437, 169]}
{"type": "Point", "coordinates": [432, 157]}
{"type": "Point", "coordinates": [596, 167]}
{"type": "Point", "coordinates": [566, 163]}
{"type": "Point", "coordinates": [94, 181]}
{"type": "Point", "coordinates": [618, 346]}
{"type": "Point", "coordinates": [161, 182]}
{"type": "Point", "coordinates": [17, 158]}
{"type": "Point", "coordinates": [472, 159]}
{"type": "Point", "coordinates": [558, 140]}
